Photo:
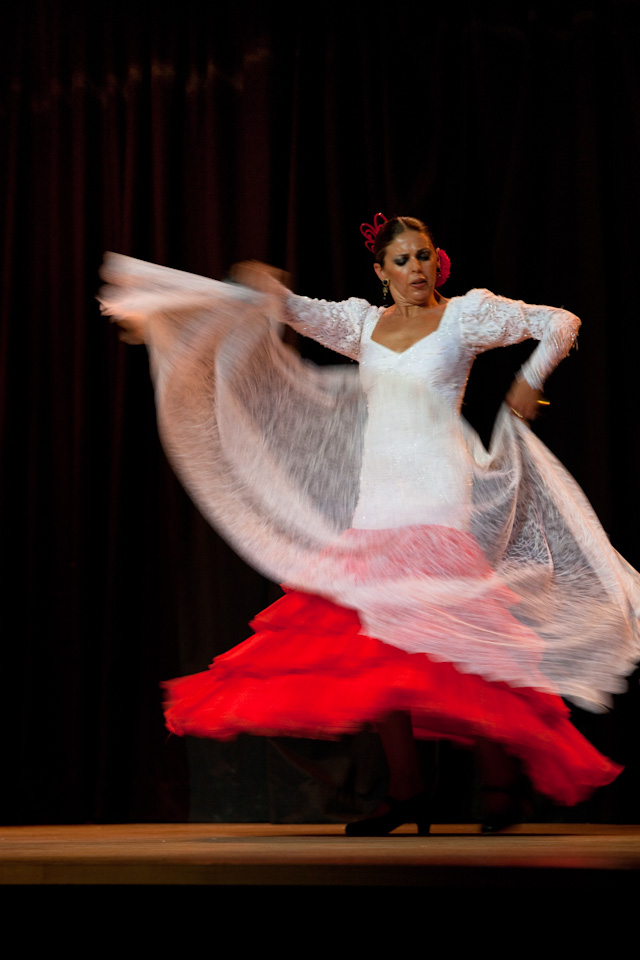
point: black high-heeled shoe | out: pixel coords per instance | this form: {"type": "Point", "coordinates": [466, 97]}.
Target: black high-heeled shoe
{"type": "Point", "coordinates": [414, 810]}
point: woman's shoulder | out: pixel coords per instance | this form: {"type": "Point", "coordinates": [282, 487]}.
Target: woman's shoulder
{"type": "Point", "coordinates": [337, 324]}
{"type": "Point", "coordinates": [483, 318]}
{"type": "Point", "coordinates": [473, 302]}
{"type": "Point", "coordinates": [360, 305]}
{"type": "Point", "coordinates": [479, 295]}
{"type": "Point", "coordinates": [483, 304]}
{"type": "Point", "coordinates": [352, 305]}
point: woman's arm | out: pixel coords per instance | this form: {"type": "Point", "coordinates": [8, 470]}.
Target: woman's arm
{"type": "Point", "coordinates": [337, 326]}
{"type": "Point", "coordinates": [488, 321]}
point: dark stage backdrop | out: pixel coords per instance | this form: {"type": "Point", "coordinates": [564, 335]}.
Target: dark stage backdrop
{"type": "Point", "coordinates": [211, 132]}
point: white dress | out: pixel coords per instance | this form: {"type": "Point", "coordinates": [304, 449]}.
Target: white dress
{"type": "Point", "coordinates": [372, 491]}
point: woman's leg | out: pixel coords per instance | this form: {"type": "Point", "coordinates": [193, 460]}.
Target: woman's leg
{"type": "Point", "coordinates": [501, 783]}
{"type": "Point", "coordinates": [398, 743]}
{"type": "Point", "coordinates": [407, 801]}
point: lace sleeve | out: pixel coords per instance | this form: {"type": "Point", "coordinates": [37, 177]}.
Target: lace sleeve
{"type": "Point", "coordinates": [337, 326]}
{"type": "Point", "coordinates": [489, 321]}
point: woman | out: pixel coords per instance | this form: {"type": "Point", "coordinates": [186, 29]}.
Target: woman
{"type": "Point", "coordinates": [433, 588]}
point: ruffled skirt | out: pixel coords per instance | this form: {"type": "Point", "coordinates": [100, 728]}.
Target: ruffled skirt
{"type": "Point", "coordinates": [309, 671]}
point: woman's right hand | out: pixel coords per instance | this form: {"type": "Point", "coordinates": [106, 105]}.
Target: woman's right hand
{"type": "Point", "coordinates": [525, 401]}
{"type": "Point", "coordinates": [261, 277]}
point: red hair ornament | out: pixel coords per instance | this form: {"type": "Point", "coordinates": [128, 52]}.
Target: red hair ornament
{"type": "Point", "coordinates": [371, 230]}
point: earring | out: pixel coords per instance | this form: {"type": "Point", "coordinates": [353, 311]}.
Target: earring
{"type": "Point", "coordinates": [385, 289]}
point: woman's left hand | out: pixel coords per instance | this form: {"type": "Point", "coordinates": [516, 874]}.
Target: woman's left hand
{"type": "Point", "coordinates": [524, 401]}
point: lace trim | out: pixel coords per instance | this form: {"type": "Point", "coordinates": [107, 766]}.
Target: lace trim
{"type": "Point", "coordinates": [488, 321]}
{"type": "Point", "coordinates": [337, 326]}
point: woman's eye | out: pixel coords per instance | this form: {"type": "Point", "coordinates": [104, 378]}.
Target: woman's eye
{"type": "Point", "coordinates": [400, 261]}
{"type": "Point", "coordinates": [425, 255]}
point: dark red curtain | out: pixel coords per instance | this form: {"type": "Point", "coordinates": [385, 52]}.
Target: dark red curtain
{"type": "Point", "coordinates": [210, 132]}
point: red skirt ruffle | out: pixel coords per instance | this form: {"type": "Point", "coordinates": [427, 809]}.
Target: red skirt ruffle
{"type": "Point", "coordinates": [309, 672]}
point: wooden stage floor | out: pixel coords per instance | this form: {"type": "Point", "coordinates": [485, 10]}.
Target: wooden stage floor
{"type": "Point", "coordinates": [303, 856]}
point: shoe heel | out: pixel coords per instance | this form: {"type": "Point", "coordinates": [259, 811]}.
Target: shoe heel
{"type": "Point", "coordinates": [414, 810]}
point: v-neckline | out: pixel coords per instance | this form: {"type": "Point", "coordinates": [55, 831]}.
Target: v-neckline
{"type": "Point", "coordinates": [400, 353]}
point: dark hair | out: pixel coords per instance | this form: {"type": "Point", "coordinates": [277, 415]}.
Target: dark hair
{"type": "Point", "coordinates": [392, 229]}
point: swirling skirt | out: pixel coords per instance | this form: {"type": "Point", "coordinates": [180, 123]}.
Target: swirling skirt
{"type": "Point", "coordinates": [309, 672]}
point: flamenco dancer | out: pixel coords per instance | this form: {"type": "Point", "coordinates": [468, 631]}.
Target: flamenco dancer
{"type": "Point", "coordinates": [433, 589]}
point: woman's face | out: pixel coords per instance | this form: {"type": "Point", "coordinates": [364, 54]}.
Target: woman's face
{"type": "Point", "coordinates": [410, 265]}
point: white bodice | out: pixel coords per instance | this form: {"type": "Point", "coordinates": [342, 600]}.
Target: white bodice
{"type": "Point", "coordinates": [415, 464]}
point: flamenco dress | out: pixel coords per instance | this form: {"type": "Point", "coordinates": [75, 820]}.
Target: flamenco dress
{"type": "Point", "coordinates": [469, 588]}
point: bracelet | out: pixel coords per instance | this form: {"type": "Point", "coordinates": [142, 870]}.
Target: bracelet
{"type": "Point", "coordinates": [518, 415]}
